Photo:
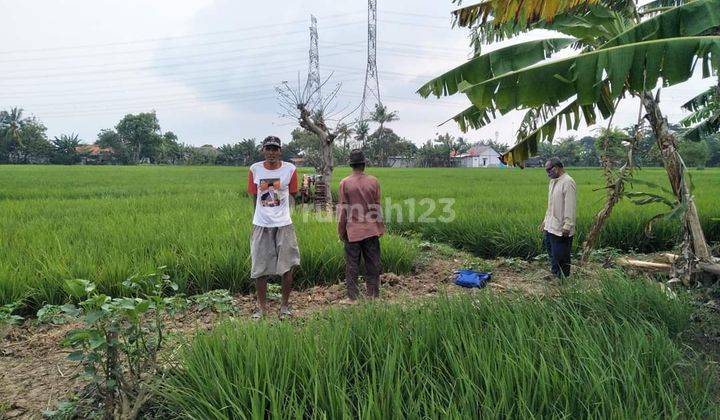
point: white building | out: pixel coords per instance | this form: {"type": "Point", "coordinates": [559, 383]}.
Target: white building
{"type": "Point", "coordinates": [479, 156]}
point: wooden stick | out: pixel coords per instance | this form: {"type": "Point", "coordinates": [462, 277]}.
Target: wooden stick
{"type": "Point", "coordinates": [643, 264]}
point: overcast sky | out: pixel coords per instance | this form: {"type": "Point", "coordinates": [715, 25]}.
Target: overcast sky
{"type": "Point", "coordinates": [209, 67]}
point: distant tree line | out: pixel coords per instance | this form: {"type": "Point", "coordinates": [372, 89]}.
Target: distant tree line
{"type": "Point", "coordinates": [138, 138]}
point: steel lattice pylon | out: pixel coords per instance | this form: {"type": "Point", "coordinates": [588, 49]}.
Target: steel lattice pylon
{"type": "Point", "coordinates": [314, 66]}
{"type": "Point", "coordinates": [372, 82]}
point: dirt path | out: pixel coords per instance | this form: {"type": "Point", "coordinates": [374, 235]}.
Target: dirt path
{"type": "Point", "coordinates": [36, 373]}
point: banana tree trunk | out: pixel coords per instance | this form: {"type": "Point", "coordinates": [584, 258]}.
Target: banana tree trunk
{"type": "Point", "coordinates": [615, 189]}
{"type": "Point", "coordinates": [674, 168]}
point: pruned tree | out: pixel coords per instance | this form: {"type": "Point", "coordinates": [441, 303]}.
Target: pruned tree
{"type": "Point", "coordinates": [317, 114]}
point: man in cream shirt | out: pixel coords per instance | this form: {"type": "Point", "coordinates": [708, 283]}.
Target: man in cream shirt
{"type": "Point", "coordinates": [559, 223]}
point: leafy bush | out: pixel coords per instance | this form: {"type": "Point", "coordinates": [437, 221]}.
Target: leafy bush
{"type": "Point", "coordinates": [120, 343]}
{"type": "Point", "coordinates": [216, 300]}
{"type": "Point", "coordinates": [56, 314]}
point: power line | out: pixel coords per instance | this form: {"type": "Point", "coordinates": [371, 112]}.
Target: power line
{"type": "Point", "coordinates": [213, 79]}
{"type": "Point", "coordinates": [170, 38]}
{"type": "Point", "coordinates": [166, 61]}
{"type": "Point", "coordinates": [130, 69]}
{"type": "Point", "coordinates": [155, 99]}
{"type": "Point", "coordinates": [230, 97]}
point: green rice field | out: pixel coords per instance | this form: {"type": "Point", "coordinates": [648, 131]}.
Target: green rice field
{"type": "Point", "coordinates": [107, 223]}
{"type": "Point", "coordinates": [609, 353]}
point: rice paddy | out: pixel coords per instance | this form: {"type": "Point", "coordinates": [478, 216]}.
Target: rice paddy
{"type": "Point", "coordinates": [107, 223]}
{"type": "Point", "coordinates": [609, 353]}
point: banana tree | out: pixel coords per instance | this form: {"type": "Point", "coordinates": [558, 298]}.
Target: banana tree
{"type": "Point", "coordinates": [705, 117]}
{"type": "Point", "coordinates": [617, 53]}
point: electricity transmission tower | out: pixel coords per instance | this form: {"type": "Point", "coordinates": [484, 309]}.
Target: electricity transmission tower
{"type": "Point", "coordinates": [313, 83]}
{"type": "Point", "coordinates": [372, 84]}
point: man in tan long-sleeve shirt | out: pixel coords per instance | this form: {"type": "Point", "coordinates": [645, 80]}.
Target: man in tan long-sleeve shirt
{"type": "Point", "coordinates": [559, 224]}
{"type": "Point", "coordinates": [360, 225]}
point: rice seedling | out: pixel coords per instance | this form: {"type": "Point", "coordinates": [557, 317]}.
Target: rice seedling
{"type": "Point", "coordinates": [107, 223]}
{"type": "Point", "coordinates": [608, 353]}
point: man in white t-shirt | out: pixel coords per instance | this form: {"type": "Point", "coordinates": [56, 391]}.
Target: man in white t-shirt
{"type": "Point", "coordinates": [273, 245]}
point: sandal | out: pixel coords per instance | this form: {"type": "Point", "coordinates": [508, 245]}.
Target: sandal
{"type": "Point", "coordinates": [257, 315]}
{"type": "Point", "coordinates": [285, 312]}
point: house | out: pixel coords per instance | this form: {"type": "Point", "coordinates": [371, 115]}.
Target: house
{"type": "Point", "coordinates": [92, 154]}
{"type": "Point", "coordinates": [479, 156]}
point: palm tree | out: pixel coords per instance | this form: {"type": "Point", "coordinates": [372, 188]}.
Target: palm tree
{"type": "Point", "coordinates": [11, 126]}
{"type": "Point", "coordinates": [362, 128]}
{"type": "Point", "coordinates": [620, 49]}
{"type": "Point", "coordinates": [344, 132]}
{"type": "Point", "coordinates": [381, 116]}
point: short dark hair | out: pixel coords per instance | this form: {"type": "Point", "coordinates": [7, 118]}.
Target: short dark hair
{"type": "Point", "coordinates": [357, 166]}
{"type": "Point", "coordinates": [555, 162]}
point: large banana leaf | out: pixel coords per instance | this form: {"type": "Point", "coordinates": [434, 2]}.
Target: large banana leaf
{"type": "Point", "coordinates": [710, 126]}
{"type": "Point", "coordinates": [705, 119]}
{"type": "Point", "coordinates": [658, 6]}
{"type": "Point", "coordinates": [472, 117]}
{"type": "Point", "coordinates": [691, 19]}
{"type": "Point", "coordinates": [591, 25]}
{"type": "Point", "coordinates": [639, 65]}
{"type": "Point", "coordinates": [702, 100]}
{"type": "Point", "coordinates": [570, 115]}
{"type": "Point", "coordinates": [520, 11]}
{"type": "Point", "coordinates": [493, 64]}
{"type": "Point", "coordinates": [528, 146]}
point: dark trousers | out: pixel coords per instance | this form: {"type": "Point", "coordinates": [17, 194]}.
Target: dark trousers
{"type": "Point", "coordinates": [369, 250]}
{"type": "Point", "coordinates": [559, 249]}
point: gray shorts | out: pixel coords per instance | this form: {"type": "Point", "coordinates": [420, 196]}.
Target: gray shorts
{"type": "Point", "coordinates": [273, 250]}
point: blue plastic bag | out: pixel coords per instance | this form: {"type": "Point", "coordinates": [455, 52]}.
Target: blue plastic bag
{"type": "Point", "coordinates": [470, 278]}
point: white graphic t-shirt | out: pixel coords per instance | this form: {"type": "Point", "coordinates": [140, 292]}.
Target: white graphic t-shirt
{"type": "Point", "coordinates": [272, 188]}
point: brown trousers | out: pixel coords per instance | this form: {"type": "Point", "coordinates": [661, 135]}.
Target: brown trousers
{"type": "Point", "coordinates": [369, 250]}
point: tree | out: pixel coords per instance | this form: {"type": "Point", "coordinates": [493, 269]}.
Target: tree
{"type": "Point", "coordinates": [110, 139]}
{"type": "Point", "coordinates": [168, 149]}
{"type": "Point", "coordinates": [382, 116]}
{"type": "Point", "coordinates": [439, 151]}
{"type": "Point", "coordinates": [694, 153]}
{"type": "Point", "coordinates": [244, 153]}
{"type": "Point", "coordinates": [616, 54]}
{"type": "Point", "coordinates": [35, 147]}
{"type": "Point", "coordinates": [705, 117]}
{"type": "Point", "coordinates": [362, 128]}
{"type": "Point", "coordinates": [311, 110]}
{"type": "Point", "coordinates": [713, 143]}
{"type": "Point", "coordinates": [140, 133]}
{"type": "Point", "coordinates": [206, 154]}
{"type": "Point", "coordinates": [66, 152]}
{"type": "Point", "coordinates": [11, 125]}
{"type": "Point", "coordinates": [344, 133]}
{"type": "Point", "coordinates": [385, 143]}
